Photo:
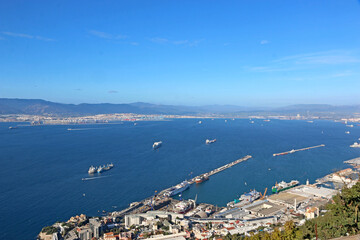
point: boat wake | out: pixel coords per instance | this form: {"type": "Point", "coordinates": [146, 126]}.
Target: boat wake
{"type": "Point", "coordinates": [92, 178]}
{"type": "Point", "coordinates": [80, 129]}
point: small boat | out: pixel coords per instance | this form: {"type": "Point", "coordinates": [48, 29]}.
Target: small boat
{"type": "Point", "coordinates": [347, 132]}
{"type": "Point", "coordinates": [210, 141]}
{"type": "Point", "coordinates": [200, 122]}
{"type": "Point", "coordinates": [156, 145]}
{"type": "Point", "coordinates": [13, 127]}
{"type": "Point", "coordinates": [355, 145]}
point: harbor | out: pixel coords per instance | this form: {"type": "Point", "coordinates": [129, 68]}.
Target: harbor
{"type": "Point", "coordinates": [298, 150]}
{"type": "Point", "coordinates": [162, 198]}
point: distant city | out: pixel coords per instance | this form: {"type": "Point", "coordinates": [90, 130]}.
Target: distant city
{"type": "Point", "coordinates": [39, 112]}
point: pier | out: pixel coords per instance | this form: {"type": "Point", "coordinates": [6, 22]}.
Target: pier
{"type": "Point", "coordinates": [222, 168]}
{"type": "Point", "coordinates": [145, 204]}
{"type": "Point", "coordinates": [297, 150]}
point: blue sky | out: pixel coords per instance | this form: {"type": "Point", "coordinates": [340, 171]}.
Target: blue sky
{"type": "Point", "coordinates": [250, 53]}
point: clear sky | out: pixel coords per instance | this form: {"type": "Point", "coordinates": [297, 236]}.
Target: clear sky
{"type": "Point", "coordinates": [249, 53]}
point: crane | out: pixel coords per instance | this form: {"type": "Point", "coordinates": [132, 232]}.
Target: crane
{"type": "Point", "coordinates": [263, 195]}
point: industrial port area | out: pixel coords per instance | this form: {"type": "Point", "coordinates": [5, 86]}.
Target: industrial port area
{"type": "Point", "coordinates": [163, 217]}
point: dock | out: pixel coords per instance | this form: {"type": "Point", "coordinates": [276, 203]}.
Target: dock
{"type": "Point", "coordinates": [222, 168]}
{"type": "Point", "coordinates": [297, 150]}
{"type": "Point", "coordinates": [161, 199]}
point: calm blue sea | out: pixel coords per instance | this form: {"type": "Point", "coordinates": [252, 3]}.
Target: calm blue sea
{"type": "Point", "coordinates": [42, 166]}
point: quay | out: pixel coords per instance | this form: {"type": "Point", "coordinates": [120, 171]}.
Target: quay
{"type": "Point", "coordinates": [222, 168]}
{"type": "Point", "coordinates": [297, 150]}
{"type": "Point", "coordinates": [158, 200]}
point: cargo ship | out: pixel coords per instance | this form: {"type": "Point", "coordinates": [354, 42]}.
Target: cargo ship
{"type": "Point", "coordinates": [108, 167]}
{"type": "Point", "coordinates": [245, 199]}
{"type": "Point", "coordinates": [284, 186]}
{"type": "Point", "coordinates": [156, 145]}
{"type": "Point", "coordinates": [178, 189]}
{"type": "Point", "coordinates": [100, 169]}
{"type": "Point", "coordinates": [210, 141]}
{"type": "Point", "coordinates": [201, 178]}
{"type": "Point", "coordinates": [92, 170]}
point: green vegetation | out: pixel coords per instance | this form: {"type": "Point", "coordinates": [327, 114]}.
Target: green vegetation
{"type": "Point", "coordinates": [49, 230]}
{"type": "Point", "coordinates": [341, 219]}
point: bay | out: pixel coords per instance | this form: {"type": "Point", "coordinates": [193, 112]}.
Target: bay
{"type": "Point", "coordinates": [42, 166]}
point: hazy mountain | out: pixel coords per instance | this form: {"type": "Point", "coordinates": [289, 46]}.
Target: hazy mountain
{"type": "Point", "coordinates": [38, 106]}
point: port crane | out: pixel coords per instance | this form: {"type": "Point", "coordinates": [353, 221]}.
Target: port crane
{"type": "Point", "coordinates": [263, 195]}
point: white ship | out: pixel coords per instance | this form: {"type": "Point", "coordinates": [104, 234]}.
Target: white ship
{"type": "Point", "coordinates": [178, 189]}
{"type": "Point", "coordinates": [347, 132]}
{"type": "Point", "coordinates": [183, 207]}
{"type": "Point", "coordinates": [210, 141]}
{"type": "Point", "coordinates": [92, 170]}
{"type": "Point", "coordinates": [355, 145]}
{"type": "Point", "coordinates": [200, 122]}
{"type": "Point", "coordinates": [156, 145]}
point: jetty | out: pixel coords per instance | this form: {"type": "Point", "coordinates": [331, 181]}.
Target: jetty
{"type": "Point", "coordinates": [222, 168]}
{"type": "Point", "coordinates": [159, 198]}
{"type": "Point", "coordinates": [298, 150]}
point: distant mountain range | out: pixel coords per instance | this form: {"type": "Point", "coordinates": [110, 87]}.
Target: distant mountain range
{"type": "Point", "coordinates": [42, 107]}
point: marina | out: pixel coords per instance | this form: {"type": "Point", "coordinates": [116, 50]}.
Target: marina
{"type": "Point", "coordinates": [298, 150]}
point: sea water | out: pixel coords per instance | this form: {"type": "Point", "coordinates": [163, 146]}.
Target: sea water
{"type": "Point", "coordinates": [42, 167]}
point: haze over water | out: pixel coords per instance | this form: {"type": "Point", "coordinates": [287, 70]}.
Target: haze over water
{"type": "Point", "coordinates": [42, 166]}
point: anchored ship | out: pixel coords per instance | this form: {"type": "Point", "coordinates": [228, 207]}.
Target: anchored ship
{"type": "Point", "coordinates": [92, 170]}
{"type": "Point", "coordinates": [355, 145]}
{"type": "Point", "coordinates": [284, 186]}
{"type": "Point", "coordinates": [210, 141]}
{"type": "Point", "coordinates": [108, 167]}
{"type": "Point", "coordinates": [178, 189]}
{"type": "Point", "coordinates": [100, 169]}
{"type": "Point", "coordinates": [156, 145]}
